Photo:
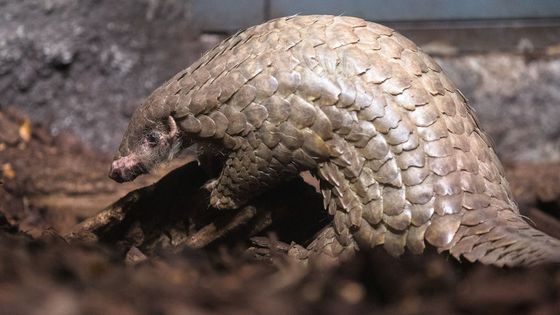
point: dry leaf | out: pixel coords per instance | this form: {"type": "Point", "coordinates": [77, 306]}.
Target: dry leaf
{"type": "Point", "coordinates": [25, 130]}
{"type": "Point", "coordinates": [8, 171]}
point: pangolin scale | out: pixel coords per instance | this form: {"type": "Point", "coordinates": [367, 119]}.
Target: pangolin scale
{"type": "Point", "coordinates": [399, 155]}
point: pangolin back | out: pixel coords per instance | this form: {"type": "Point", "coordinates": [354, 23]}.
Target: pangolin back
{"type": "Point", "coordinates": [399, 154]}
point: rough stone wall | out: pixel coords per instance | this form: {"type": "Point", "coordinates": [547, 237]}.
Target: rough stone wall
{"type": "Point", "coordinates": [84, 65]}
{"type": "Point", "coordinates": [516, 100]}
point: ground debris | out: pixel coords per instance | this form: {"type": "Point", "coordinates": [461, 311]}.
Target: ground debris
{"type": "Point", "coordinates": [155, 247]}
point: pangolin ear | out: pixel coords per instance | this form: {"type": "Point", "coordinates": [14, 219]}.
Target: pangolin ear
{"type": "Point", "coordinates": [172, 126]}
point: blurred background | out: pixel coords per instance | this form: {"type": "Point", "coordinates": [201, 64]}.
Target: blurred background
{"type": "Point", "coordinates": [85, 65]}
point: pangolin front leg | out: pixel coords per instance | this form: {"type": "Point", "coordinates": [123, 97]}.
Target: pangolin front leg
{"type": "Point", "coordinates": [246, 172]}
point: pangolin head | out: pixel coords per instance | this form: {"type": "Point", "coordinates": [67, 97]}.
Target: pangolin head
{"type": "Point", "coordinates": [151, 137]}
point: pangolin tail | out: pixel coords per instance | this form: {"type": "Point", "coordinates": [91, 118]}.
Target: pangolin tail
{"type": "Point", "coordinates": [505, 240]}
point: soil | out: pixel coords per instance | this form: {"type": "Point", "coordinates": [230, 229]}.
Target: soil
{"type": "Point", "coordinates": [74, 242]}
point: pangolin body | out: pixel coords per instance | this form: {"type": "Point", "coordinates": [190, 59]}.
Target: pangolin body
{"type": "Point", "coordinates": [399, 155]}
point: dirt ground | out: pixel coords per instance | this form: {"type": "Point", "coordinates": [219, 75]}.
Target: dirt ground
{"type": "Point", "coordinates": [143, 260]}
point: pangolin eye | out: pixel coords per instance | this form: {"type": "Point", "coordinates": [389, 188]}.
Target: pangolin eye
{"type": "Point", "coordinates": [152, 138]}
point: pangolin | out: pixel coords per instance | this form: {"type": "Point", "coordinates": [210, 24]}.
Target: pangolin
{"type": "Point", "coordinates": [398, 152]}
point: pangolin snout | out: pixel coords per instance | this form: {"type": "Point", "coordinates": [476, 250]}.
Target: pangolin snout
{"type": "Point", "coordinates": [125, 169]}
{"type": "Point", "coordinates": [118, 175]}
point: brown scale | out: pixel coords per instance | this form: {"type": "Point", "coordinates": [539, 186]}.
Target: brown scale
{"type": "Point", "coordinates": [397, 150]}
